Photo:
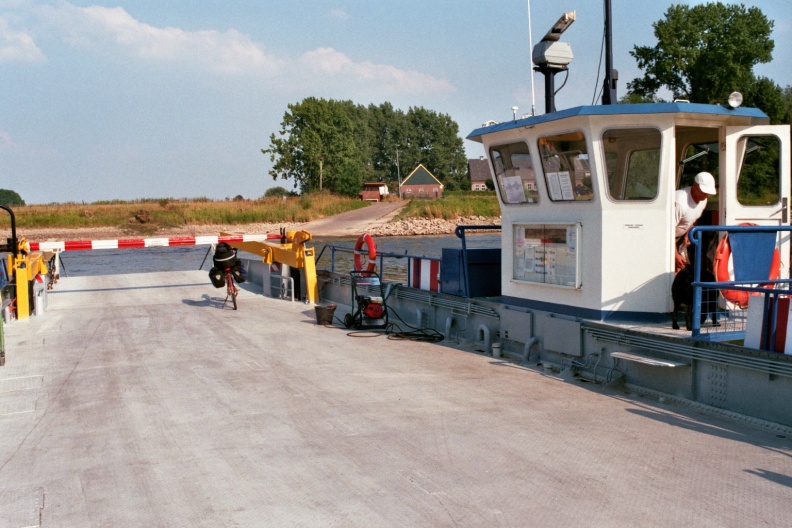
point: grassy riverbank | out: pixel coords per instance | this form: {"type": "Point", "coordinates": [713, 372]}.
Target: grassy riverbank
{"type": "Point", "coordinates": [169, 213]}
{"type": "Point", "coordinates": [153, 214]}
{"type": "Point", "coordinates": [456, 204]}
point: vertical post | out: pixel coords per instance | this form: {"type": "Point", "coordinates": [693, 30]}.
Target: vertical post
{"type": "Point", "coordinates": [311, 284]}
{"type": "Point", "coordinates": [549, 74]}
{"type": "Point", "coordinates": [321, 162]}
{"type": "Point", "coordinates": [609, 91]}
{"type": "Point", "coordinates": [398, 172]}
{"type": "Point", "coordinates": [22, 280]}
{"type": "Point", "coordinates": [2, 344]}
{"type": "Point", "coordinates": [695, 239]}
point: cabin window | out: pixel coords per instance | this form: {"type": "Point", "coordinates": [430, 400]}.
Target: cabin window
{"type": "Point", "coordinates": [632, 160]}
{"type": "Point", "coordinates": [566, 167]}
{"type": "Point", "coordinates": [698, 157]}
{"type": "Point", "coordinates": [759, 181]}
{"type": "Point", "coordinates": [514, 173]}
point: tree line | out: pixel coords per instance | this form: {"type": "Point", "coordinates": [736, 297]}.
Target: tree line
{"type": "Point", "coordinates": [337, 145]}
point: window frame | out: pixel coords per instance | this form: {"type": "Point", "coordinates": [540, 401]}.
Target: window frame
{"type": "Point", "coordinates": [564, 182]}
{"type": "Point", "coordinates": [531, 196]}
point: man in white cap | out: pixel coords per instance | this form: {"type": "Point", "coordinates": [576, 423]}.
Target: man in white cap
{"type": "Point", "coordinates": [689, 204]}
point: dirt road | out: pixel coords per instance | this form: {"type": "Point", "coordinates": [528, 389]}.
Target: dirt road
{"type": "Point", "coordinates": [354, 222]}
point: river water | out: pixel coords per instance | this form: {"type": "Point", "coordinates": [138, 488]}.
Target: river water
{"type": "Point", "coordinates": [185, 258]}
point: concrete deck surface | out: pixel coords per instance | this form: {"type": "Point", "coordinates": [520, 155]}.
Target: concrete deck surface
{"type": "Point", "coordinates": [135, 400]}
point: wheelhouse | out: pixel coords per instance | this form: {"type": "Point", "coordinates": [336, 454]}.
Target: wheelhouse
{"type": "Point", "coordinates": [587, 198]}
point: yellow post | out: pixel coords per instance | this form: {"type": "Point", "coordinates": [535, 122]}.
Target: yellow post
{"type": "Point", "coordinates": [21, 278]}
{"type": "Point", "coordinates": [24, 268]}
{"type": "Point", "coordinates": [311, 284]}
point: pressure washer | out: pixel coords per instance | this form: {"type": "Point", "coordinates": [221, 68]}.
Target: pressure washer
{"type": "Point", "coordinates": [369, 310]}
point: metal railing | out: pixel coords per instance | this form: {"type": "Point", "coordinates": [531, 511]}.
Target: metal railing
{"type": "Point", "coordinates": [392, 271]}
{"type": "Point", "coordinates": [770, 289]}
{"type": "Point", "coordinates": [395, 272]}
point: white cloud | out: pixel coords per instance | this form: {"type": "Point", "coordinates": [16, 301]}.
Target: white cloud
{"type": "Point", "coordinates": [334, 64]}
{"type": "Point", "coordinates": [339, 14]}
{"type": "Point", "coordinates": [115, 31]}
{"type": "Point", "coordinates": [17, 46]}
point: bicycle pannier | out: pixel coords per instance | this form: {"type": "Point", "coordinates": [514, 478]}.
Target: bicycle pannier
{"type": "Point", "coordinates": [217, 278]}
{"type": "Point", "coordinates": [238, 272]}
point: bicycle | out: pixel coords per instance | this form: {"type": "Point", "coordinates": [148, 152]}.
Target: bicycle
{"type": "Point", "coordinates": [227, 270]}
{"type": "Point", "coordinates": [231, 289]}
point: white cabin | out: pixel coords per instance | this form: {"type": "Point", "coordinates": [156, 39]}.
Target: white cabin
{"type": "Point", "coordinates": [587, 198]}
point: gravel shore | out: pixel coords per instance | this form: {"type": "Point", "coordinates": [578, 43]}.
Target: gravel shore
{"type": "Point", "coordinates": [411, 227]}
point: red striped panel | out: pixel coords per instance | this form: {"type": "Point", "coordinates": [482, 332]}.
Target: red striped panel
{"type": "Point", "coordinates": [78, 245]}
{"type": "Point", "coordinates": [181, 241]}
{"type": "Point", "coordinates": [132, 243]}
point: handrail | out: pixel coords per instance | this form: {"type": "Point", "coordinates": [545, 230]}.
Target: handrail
{"type": "Point", "coordinates": [12, 245]}
{"type": "Point", "coordinates": [459, 231]}
{"type": "Point", "coordinates": [770, 294]}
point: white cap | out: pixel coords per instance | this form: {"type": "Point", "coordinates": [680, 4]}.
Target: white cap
{"type": "Point", "coordinates": [706, 183]}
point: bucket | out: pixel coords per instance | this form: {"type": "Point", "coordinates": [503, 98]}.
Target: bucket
{"type": "Point", "coordinates": [324, 314]}
{"type": "Point", "coordinates": [496, 350]}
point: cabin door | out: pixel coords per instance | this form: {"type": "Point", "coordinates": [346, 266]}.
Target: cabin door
{"type": "Point", "coordinates": [755, 179]}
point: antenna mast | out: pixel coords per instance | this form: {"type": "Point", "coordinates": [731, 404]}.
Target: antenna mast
{"type": "Point", "coordinates": [530, 41]}
{"type": "Point", "coordinates": [611, 75]}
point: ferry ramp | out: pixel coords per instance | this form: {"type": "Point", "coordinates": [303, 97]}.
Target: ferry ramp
{"type": "Point", "coordinates": [136, 400]}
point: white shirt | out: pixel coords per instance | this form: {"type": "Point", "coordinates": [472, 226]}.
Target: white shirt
{"type": "Point", "coordinates": [686, 211]}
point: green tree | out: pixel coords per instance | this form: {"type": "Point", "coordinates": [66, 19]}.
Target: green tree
{"type": "Point", "coordinates": [635, 98]}
{"type": "Point", "coordinates": [276, 192]}
{"type": "Point", "coordinates": [767, 95]}
{"type": "Point", "coordinates": [787, 94]}
{"type": "Point", "coordinates": [390, 135]}
{"type": "Point", "coordinates": [434, 139]}
{"type": "Point", "coordinates": [316, 137]}
{"type": "Point", "coordinates": [8, 197]}
{"type": "Point", "coordinates": [346, 144]}
{"type": "Point", "coordinates": [704, 52]}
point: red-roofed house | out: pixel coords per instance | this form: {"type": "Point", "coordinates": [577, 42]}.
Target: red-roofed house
{"type": "Point", "coordinates": [421, 184]}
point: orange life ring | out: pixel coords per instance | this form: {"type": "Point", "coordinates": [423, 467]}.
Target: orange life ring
{"type": "Point", "coordinates": [724, 271]}
{"type": "Point", "coordinates": [366, 239]}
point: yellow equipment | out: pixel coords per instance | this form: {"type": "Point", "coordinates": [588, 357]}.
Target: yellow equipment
{"type": "Point", "coordinates": [292, 252]}
{"type": "Point", "coordinates": [24, 266]}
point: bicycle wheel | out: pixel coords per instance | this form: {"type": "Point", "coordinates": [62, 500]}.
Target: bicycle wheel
{"type": "Point", "coordinates": [231, 289]}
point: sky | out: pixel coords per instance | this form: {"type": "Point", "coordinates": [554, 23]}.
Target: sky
{"type": "Point", "coordinates": [123, 100]}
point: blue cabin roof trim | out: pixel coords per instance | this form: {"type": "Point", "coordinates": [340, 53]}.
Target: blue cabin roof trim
{"type": "Point", "coordinates": [619, 109]}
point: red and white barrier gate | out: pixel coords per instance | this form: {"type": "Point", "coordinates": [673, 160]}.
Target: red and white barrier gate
{"type": "Point", "coordinates": [84, 245]}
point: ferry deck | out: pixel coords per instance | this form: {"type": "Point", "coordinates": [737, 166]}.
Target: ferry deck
{"type": "Point", "coordinates": [138, 400]}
